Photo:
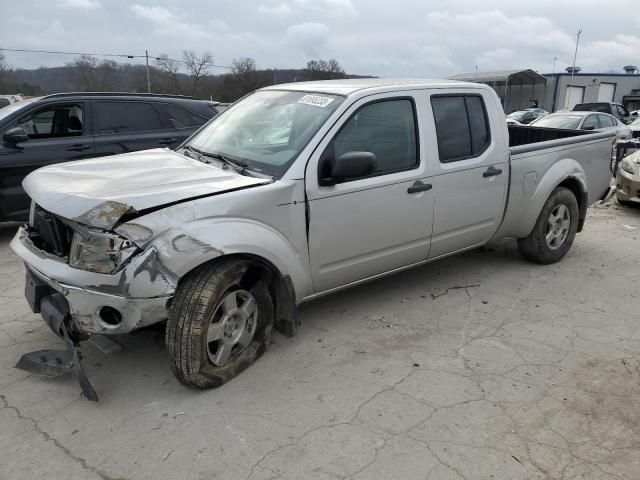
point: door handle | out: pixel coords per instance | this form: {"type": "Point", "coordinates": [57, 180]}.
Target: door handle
{"type": "Point", "coordinates": [167, 141]}
{"type": "Point", "coordinates": [78, 148]}
{"type": "Point", "coordinates": [491, 172]}
{"type": "Point", "coordinates": [418, 186]}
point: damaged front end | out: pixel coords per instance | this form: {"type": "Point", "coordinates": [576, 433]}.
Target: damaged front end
{"type": "Point", "coordinates": [86, 281]}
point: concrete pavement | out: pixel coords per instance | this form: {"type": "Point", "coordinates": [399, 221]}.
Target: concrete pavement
{"type": "Point", "coordinates": [481, 366]}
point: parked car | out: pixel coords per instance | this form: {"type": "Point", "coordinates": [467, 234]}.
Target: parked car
{"type": "Point", "coordinates": [225, 236]}
{"type": "Point", "coordinates": [527, 116]}
{"type": "Point", "coordinates": [585, 121]}
{"type": "Point", "coordinates": [6, 100]}
{"type": "Point", "coordinates": [628, 179]}
{"type": "Point", "coordinates": [635, 128]}
{"type": "Point", "coordinates": [74, 126]}
{"type": "Point", "coordinates": [614, 109]}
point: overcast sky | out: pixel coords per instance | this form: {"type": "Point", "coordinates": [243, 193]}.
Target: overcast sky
{"type": "Point", "coordinates": [411, 38]}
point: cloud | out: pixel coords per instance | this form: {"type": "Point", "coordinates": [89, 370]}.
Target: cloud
{"type": "Point", "coordinates": [330, 8]}
{"type": "Point", "coordinates": [167, 23]}
{"type": "Point", "coordinates": [279, 10]}
{"type": "Point", "coordinates": [309, 37]}
{"type": "Point", "coordinates": [80, 4]}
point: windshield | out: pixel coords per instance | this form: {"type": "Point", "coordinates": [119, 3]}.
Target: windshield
{"type": "Point", "coordinates": [559, 121]}
{"type": "Point", "coordinates": [268, 129]}
{"type": "Point", "coordinates": [9, 109]}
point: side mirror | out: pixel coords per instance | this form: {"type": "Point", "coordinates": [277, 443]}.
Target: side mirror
{"type": "Point", "coordinates": [589, 127]}
{"type": "Point", "coordinates": [350, 165]}
{"type": "Point", "coordinates": [15, 136]}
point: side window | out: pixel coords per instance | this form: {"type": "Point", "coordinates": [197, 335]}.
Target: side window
{"type": "Point", "coordinates": [461, 126]}
{"type": "Point", "coordinates": [181, 118]}
{"type": "Point", "coordinates": [385, 128]}
{"type": "Point", "coordinates": [125, 117]}
{"type": "Point", "coordinates": [56, 121]}
{"type": "Point", "coordinates": [590, 122]}
{"type": "Point", "coordinates": [605, 121]}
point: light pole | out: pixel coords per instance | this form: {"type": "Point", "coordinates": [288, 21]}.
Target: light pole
{"type": "Point", "coordinates": [573, 68]}
{"type": "Point", "coordinates": [146, 54]}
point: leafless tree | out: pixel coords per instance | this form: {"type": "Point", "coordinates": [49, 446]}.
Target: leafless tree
{"type": "Point", "coordinates": [84, 72]}
{"type": "Point", "coordinates": [90, 75]}
{"type": "Point", "coordinates": [324, 69]}
{"type": "Point", "coordinates": [244, 75]}
{"type": "Point", "coordinates": [6, 76]}
{"type": "Point", "coordinates": [197, 65]}
{"type": "Point", "coordinates": [169, 68]}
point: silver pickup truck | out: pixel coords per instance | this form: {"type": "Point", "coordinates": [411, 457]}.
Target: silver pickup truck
{"type": "Point", "coordinates": [294, 192]}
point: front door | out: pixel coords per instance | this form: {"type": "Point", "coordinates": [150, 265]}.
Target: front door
{"type": "Point", "coordinates": [57, 133]}
{"type": "Point", "coordinates": [367, 226]}
{"type": "Point", "coordinates": [471, 176]}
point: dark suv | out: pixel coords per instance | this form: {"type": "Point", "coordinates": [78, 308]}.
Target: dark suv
{"type": "Point", "coordinates": [73, 126]}
{"type": "Point", "coordinates": [614, 109]}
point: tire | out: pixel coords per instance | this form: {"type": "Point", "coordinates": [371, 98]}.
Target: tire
{"type": "Point", "coordinates": [536, 247]}
{"type": "Point", "coordinates": [203, 309]}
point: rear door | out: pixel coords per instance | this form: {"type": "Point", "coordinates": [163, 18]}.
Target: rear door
{"type": "Point", "coordinates": [122, 126]}
{"type": "Point", "coordinates": [58, 132]}
{"type": "Point", "coordinates": [471, 170]}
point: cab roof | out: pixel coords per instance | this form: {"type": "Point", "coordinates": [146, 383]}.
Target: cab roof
{"type": "Point", "coordinates": [352, 85]}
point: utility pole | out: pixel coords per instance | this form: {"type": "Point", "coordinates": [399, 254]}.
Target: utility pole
{"type": "Point", "coordinates": [573, 67]}
{"type": "Point", "coordinates": [555, 59]}
{"type": "Point", "coordinates": [146, 54]}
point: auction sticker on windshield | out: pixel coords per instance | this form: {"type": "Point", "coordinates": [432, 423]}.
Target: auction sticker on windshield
{"type": "Point", "coordinates": [316, 100]}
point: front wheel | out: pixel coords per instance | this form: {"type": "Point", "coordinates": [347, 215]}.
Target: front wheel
{"type": "Point", "coordinates": [219, 323]}
{"type": "Point", "coordinates": [555, 229]}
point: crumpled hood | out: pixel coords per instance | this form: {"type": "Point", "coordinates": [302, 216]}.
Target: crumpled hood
{"type": "Point", "coordinates": [98, 192]}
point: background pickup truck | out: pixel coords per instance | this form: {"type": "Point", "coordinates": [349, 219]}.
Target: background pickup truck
{"type": "Point", "coordinates": [294, 192]}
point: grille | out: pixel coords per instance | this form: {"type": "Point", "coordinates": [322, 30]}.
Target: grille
{"type": "Point", "coordinates": [48, 233]}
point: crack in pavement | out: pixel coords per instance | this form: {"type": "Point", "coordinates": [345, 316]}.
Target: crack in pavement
{"type": "Point", "coordinates": [48, 438]}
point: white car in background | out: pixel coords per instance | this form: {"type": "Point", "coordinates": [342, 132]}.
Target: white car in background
{"type": "Point", "coordinates": [635, 128]}
{"type": "Point", "coordinates": [585, 121]}
{"type": "Point", "coordinates": [6, 100]}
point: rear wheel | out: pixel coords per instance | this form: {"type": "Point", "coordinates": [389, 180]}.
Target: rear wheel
{"type": "Point", "coordinates": [219, 323]}
{"type": "Point", "coordinates": [555, 229]}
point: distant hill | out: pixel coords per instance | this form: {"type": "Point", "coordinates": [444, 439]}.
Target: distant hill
{"type": "Point", "coordinates": [132, 78]}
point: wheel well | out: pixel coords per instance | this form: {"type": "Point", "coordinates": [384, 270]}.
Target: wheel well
{"type": "Point", "coordinates": [575, 186]}
{"type": "Point", "coordinates": [280, 287]}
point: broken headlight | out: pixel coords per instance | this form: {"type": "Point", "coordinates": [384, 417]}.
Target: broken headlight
{"type": "Point", "coordinates": [99, 252]}
{"type": "Point", "coordinates": [629, 166]}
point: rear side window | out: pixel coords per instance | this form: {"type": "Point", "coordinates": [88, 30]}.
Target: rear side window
{"type": "Point", "coordinates": [605, 121]}
{"type": "Point", "coordinates": [461, 126]}
{"type": "Point", "coordinates": [125, 117]}
{"type": "Point", "coordinates": [594, 107]}
{"type": "Point", "coordinates": [182, 118]}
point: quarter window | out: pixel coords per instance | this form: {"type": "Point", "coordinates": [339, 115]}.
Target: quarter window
{"type": "Point", "coordinates": [125, 117]}
{"type": "Point", "coordinates": [461, 126]}
{"type": "Point", "coordinates": [385, 128]}
{"type": "Point", "coordinates": [53, 122]}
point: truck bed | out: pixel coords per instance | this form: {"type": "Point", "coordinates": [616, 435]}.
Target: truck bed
{"type": "Point", "coordinates": [524, 134]}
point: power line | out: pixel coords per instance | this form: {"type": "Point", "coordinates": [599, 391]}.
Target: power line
{"type": "Point", "coordinates": [112, 55]}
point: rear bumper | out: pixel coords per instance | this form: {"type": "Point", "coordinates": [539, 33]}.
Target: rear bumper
{"type": "Point", "coordinates": [139, 292]}
{"type": "Point", "coordinates": [628, 186]}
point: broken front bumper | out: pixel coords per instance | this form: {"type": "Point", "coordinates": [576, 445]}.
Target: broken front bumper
{"type": "Point", "coordinates": [628, 186]}
{"type": "Point", "coordinates": [134, 297]}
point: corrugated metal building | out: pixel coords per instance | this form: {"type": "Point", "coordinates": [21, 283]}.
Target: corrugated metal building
{"type": "Point", "coordinates": [520, 89]}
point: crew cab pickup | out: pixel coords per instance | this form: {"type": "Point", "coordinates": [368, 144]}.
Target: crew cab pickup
{"type": "Point", "coordinates": [294, 192]}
